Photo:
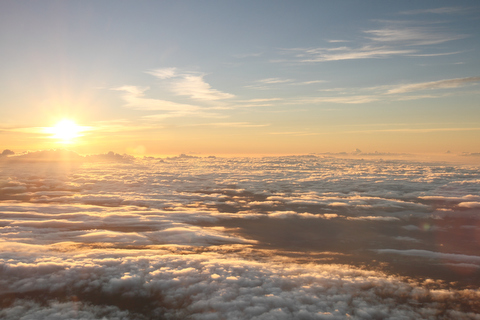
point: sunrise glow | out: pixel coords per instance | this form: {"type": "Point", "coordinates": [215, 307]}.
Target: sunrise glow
{"type": "Point", "coordinates": [240, 160]}
{"type": "Point", "coordinates": [65, 131]}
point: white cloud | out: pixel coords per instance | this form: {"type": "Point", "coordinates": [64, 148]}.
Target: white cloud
{"type": "Point", "coordinates": [189, 84]}
{"type": "Point", "coordinates": [135, 99]}
{"type": "Point", "coordinates": [196, 88]}
{"type": "Point", "coordinates": [337, 41]}
{"type": "Point", "coordinates": [164, 73]}
{"type": "Point", "coordinates": [192, 237]}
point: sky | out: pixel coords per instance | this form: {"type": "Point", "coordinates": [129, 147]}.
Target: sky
{"type": "Point", "coordinates": [240, 77]}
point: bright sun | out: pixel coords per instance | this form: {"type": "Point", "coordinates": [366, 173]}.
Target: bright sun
{"type": "Point", "coordinates": [65, 131]}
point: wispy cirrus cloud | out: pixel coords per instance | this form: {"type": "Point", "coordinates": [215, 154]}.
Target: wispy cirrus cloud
{"type": "Point", "coordinates": [386, 93]}
{"type": "Point", "coordinates": [416, 130]}
{"type": "Point", "coordinates": [441, 84]}
{"type": "Point", "coordinates": [233, 124]}
{"type": "Point", "coordinates": [347, 53]}
{"type": "Point", "coordinates": [437, 55]}
{"type": "Point", "coordinates": [442, 10]}
{"type": "Point", "coordinates": [308, 82]}
{"type": "Point", "coordinates": [269, 83]}
{"type": "Point", "coordinates": [274, 80]}
{"type": "Point", "coordinates": [411, 36]}
{"type": "Point", "coordinates": [163, 73]}
{"type": "Point", "coordinates": [189, 113]}
{"type": "Point", "coordinates": [337, 41]}
{"type": "Point", "coordinates": [394, 38]}
{"type": "Point", "coordinates": [353, 99]}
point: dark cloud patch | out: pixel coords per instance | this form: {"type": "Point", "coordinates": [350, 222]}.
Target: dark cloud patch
{"type": "Point", "coordinates": [6, 153]}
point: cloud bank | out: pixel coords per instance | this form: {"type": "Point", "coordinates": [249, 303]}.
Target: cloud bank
{"type": "Point", "coordinates": [304, 237]}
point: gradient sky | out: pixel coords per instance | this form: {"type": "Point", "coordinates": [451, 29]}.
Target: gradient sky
{"type": "Point", "coordinates": [241, 77]}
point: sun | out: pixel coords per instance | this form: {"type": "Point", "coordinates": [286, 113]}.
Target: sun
{"type": "Point", "coordinates": [65, 131]}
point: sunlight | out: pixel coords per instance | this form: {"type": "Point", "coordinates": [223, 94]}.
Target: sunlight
{"type": "Point", "coordinates": [65, 131]}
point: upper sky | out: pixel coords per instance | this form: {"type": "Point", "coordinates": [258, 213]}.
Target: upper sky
{"type": "Point", "coordinates": [241, 77]}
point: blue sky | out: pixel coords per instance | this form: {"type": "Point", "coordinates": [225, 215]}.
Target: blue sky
{"type": "Point", "coordinates": [246, 77]}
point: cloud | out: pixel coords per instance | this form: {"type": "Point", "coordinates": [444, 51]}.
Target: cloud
{"type": "Point", "coordinates": [355, 99]}
{"type": "Point", "coordinates": [261, 100]}
{"type": "Point", "coordinates": [441, 10]}
{"type": "Point", "coordinates": [413, 36]}
{"type": "Point", "coordinates": [337, 41]}
{"type": "Point", "coordinates": [189, 84]}
{"type": "Point", "coordinates": [234, 124]}
{"type": "Point", "coordinates": [135, 99]}
{"type": "Point", "coordinates": [437, 54]}
{"type": "Point", "coordinates": [347, 53]}
{"type": "Point", "coordinates": [164, 73]}
{"type": "Point", "coordinates": [396, 38]}
{"type": "Point", "coordinates": [157, 283]}
{"type": "Point", "coordinates": [48, 155]}
{"type": "Point", "coordinates": [309, 82]}
{"type": "Point", "coordinates": [440, 84]}
{"type": "Point", "coordinates": [394, 93]}
{"type": "Point", "coordinates": [274, 80]}
{"type": "Point", "coordinates": [196, 88]}
{"type": "Point", "coordinates": [434, 255]}
{"type": "Point", "coordinates": [6, 153]}
{"type": "Point", "coordinates": [192, 237]}
{"type": "Point", "coordinates": [470, 204]}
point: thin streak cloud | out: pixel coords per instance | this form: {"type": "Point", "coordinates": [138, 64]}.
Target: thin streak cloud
{"type": "Point", "coordinates": [417, 36]}
{"type": "Point", "coordinates": [441, 84]}
{"type": "Point", "coordinates": [345, 53]}
{"type": "Point", "coordinates": [442, 10]}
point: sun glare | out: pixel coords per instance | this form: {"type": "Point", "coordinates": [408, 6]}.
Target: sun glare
{"type": "Point", "coordinates": [65, 131]}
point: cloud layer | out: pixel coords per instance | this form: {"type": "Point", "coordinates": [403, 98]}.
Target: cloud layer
{"type": "Point", "coordinates": [307, 237]}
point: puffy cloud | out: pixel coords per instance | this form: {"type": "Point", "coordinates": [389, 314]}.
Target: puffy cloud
{"type": "Point", "coordinates": [238, 238]}
{"type": "Point", "coordinates": [470, 205]}
{"type": "Point", "coordinates": [7, 152]}
{"type": "Point", "coordinates": [196, 88]}
{"type": "Point", "coordinates": [189, 84]}
{"type": "Point", "coordinates": [149, 284]}
{"type": "Point", "coordinates": [135, 98]}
